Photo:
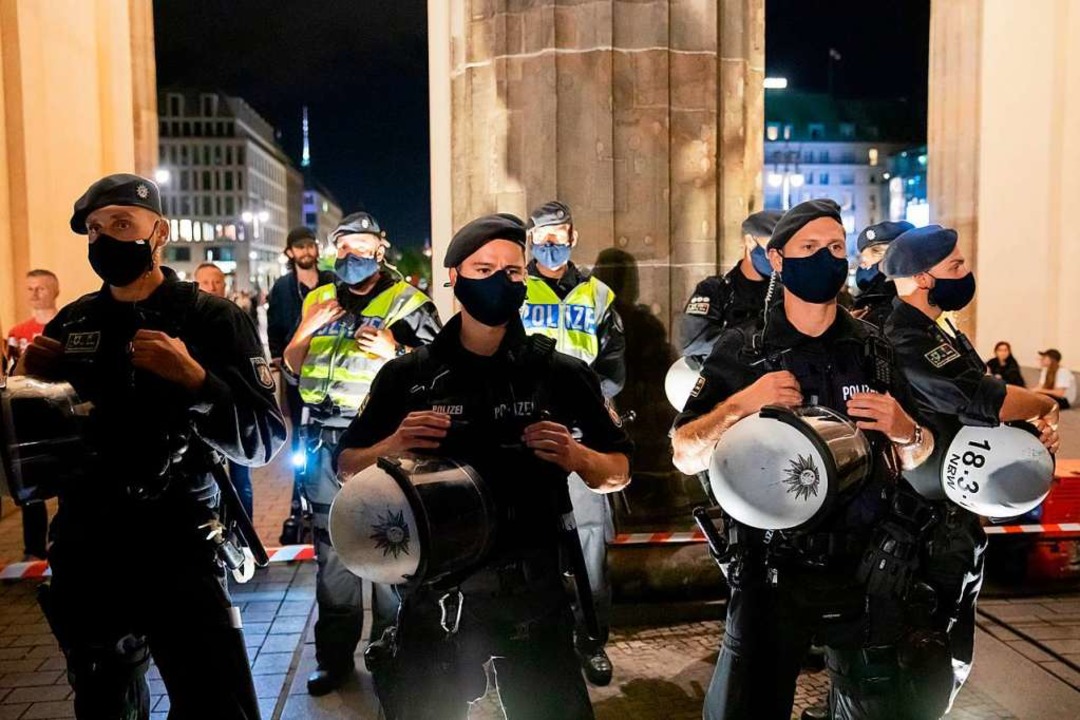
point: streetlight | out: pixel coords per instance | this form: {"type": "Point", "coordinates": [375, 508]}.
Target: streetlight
{"type": "Point", "coordinates": [162, 176]}
{"type": "Point", "coordinates": [264, 215]}
{"type": "Point", "coordinates": [247, 216]}
{"type": "Point", "coordinates": [775, 83]}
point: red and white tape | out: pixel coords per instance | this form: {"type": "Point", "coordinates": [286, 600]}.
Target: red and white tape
{"type": "Point", "coordinates": [301, 553]}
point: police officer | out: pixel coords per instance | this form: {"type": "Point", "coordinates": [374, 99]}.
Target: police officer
{"type": "Point", "coordinates": [577, 310]}
{"type": "Point", "coordinates": [719, 302]}
{"type": "Point", "coordinates": [283, 312]}
{"type": "Point", "coordinates": [789, 588]}
{"type": "Point", "coordinates": [349, 330]}
{"type": "Point", "coordinates": [506, 403]}
{"type": "Point", "coordinates": [177, 378]}
{"type": "Point", "coordinates": [876, 290]}
{"type": "Point", "coordinates": [950, 385]}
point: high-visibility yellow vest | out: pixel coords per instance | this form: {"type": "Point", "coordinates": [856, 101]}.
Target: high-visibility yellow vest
{"type": "Point", "coordinates": [335, 366]}
{"type": "Point", "coordinates": [570, 322]}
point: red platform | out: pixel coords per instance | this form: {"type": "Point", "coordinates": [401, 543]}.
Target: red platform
{"type": "Point", "coordinates": [1057, 557]}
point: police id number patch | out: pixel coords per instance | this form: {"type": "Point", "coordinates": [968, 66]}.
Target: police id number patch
{"type": "Point", "coordinates": [942, 355]}
{"type": "Point", "coordinates": [698, 306]}
{"type": "Point", "coordinates": [698, 386]}
{"type": "Point", "coordinates": [83, 342]}
{"type": "Point", "coordinates": [262, 372]}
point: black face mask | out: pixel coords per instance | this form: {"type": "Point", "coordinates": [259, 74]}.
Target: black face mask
{"type": "Point", "coordinates": [816, 279]}
{"type": "Point", "coordinates": [494, 300]}
{"type": "Point", "coordinates": [950, 294]}
{"type": "Point", "coordinates": [120, 262]}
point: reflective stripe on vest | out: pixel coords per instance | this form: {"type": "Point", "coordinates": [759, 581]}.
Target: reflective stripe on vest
{"type": "Point", "coordinates": [570, 322]}
{"type": "Point", "coordinates": [335, 366]}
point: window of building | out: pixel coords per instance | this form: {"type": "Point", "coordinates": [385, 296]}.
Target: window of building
{"type": "Point", "coordinates": [208, 103]}
{"type": "Point", "coordinates": [228, 155]}
{"type": "Point", "coordinates": [174, 104]}
{"type": "Point", "coordinates": [185, 205]}
{"type": "Point", "coordinates": [198, 128]}
{"type": "Point", "coordinates": [185, 184]}
{"type": "Point", "coordinates": [230, 206]}
{"type": "Point", "coordinates": [823, 157]}
{"type": "Point", "coordinates": [217, 205]}
{"type": "Point", "coordinates": [240, 181]}
{"type": "Point", "coordinates": [177, 253]}
{"type": "Point", "coordinates": [772, 131]}
{"type": "Point", "coordinates": [848, 158]}
{"type": "Point", "coordinates": [872, 156]}
{"type": "Point", "coordinates": [183, 154]}
{"type": "Point", "coordinates": [221, 253]}
{"type": "Point", "coordinates": [187, 129]}
{"type": "Point", "coordinates": [309, 219]}
{"type": "Point", "coordinates": [228, 180]}
{"type": "Point", "coordinates": [240, 155]}
{"type": "Point", "coordinates": [206, 180]}
{"type": "Point", "coordinates": [847, 130]}
{"type": "Point", "coordinates": [847, 178]}
{"type": "Point", "coordinates": [207, 210]}
{"type": "Point", "coordinates": [809, 177]}
{"type": "Point", "coordinates": [823, 179]}
{"type": "Point", "coordinates": [788, 130]}
{"type": "Point", "coordinates": [217, 154]}
{"type": "Point", "coordinates": [808, 156]}
{"type": "Point", "coordinates": [817, 131]}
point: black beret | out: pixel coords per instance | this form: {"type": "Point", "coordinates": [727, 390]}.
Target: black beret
{"type": "Point", "coordinates": [298, 235]}
{"type": "Point", "coordinates": [918, 250]}
{"type": "Point", "coordinates": [552, 213]}
{"type": "Point", "coordinates": [357, 222]}
{"type": "Point", "coordinates": [120, 189]}
{"type": "Point", "coordinates": [481, 231]}
{"type": "Point", "coordinates": [883, 233]}
{"type": "Point", "coordinates": [797, 217]}
{"type": "Point", "coordinates": [761, 224]}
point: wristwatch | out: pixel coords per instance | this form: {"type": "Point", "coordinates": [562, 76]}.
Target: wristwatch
{"type": "Point", "coordinates": [916, 438]}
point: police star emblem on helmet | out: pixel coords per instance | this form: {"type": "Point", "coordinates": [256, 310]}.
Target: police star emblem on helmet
{"type": "Point", "coordinates": [803, 477]}
{"type": "Point", "coordinates": [391, 534]}
{"type": "Point", "coordinates": [142, 191]}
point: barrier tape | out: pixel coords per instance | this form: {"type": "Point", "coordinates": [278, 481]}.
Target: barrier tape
{"type": "Point", "coordinates": [302, 553]}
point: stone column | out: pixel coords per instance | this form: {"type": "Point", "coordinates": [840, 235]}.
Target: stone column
{"type": "Point", "coordinates": [953, 125]}
{"type": "Point", "coordinates": [646, 117]}
{"type": "Point", "coordinates": [68, 107]}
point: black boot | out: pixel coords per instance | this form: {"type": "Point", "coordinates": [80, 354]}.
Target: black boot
{"type": "Point", "coordinates": [290, 531]}
{"type": "Point", "coordinates": [597, 667]}
{"type": "Point", "coordinates": [323, 681]}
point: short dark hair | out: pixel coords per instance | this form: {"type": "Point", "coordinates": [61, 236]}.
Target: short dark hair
{"type": "Point", "coordinates": [42, 273]}
{"type": "Point", "coordinates": [205, 265]}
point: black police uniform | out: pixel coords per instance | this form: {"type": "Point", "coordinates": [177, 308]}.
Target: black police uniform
{"type": "Point", "coordinates": [719, 303]}
{"type": "Point", "coordinates": [515, 608]}
{"type": "Point", "coordinates": [788, 589]}
{"type": "Point", "coordinates": [951, 388]}
{"type": "Point", "coordinates": [149, 492]}
{"type": "Point", "coordinates": [877, 299]}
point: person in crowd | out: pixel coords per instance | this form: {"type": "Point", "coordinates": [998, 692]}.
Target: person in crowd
{"type": "Point", "coordinates": [1003, 365]}
{"type": "Point", "coordinates": [1056, 380]}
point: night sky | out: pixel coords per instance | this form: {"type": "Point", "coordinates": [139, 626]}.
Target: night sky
{"type": "Point", "coordinates": [361, 68]}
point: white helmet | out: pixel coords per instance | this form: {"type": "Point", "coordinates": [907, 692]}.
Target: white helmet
{"type": "Point", "coordinates": [998, 471]}
{"type": "Point", "coordinates": [783, 469]}
{"type": "Point", "coordinates": [679, 382]}
{"type": "Point", "coordinates": [373, 528]}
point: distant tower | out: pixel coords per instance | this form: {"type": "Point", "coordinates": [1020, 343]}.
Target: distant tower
{"type": "Point", "coordinates": [305, 158]}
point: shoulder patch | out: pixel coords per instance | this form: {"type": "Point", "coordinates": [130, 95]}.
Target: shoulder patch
{"type": "Point", "coordinates": [698, 386]}
{"type": "Point", "coordinates": [698, 305]}
{"type": "Point", "coordinates": [942, 355]}
{"type": "Point", "coordinates": [262, 372]}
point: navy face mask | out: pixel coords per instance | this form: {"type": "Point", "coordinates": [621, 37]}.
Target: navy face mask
{"type": "Point", "coordinates": [552, 257]}
{"type": "Point", "coordinates": [353, 269]}
{"type": "Point", "coordinates": [816, 279]}
{"type": "Point", "coordinates": [865, 276]}
{"type": "Point", "coordinates": [120, 263]}
{"type": "Point", "coordinates": [760, 260]}
{"type": "Point", "coordinates": [949, 294]}
{"type": "Point", "coordinates": [494, 300]}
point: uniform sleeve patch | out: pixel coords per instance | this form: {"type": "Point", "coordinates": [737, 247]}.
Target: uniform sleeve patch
{"type": "Point", "coordinates": [698, 305]}
{"type": "Point", "coordinates": [262, 372]}
{"type": "Point", "coordinates": [83, 342]}
{"type": "Point", "coordinates": [942, 355]}
{"type": "Point", "coordinates": [698, 386]}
